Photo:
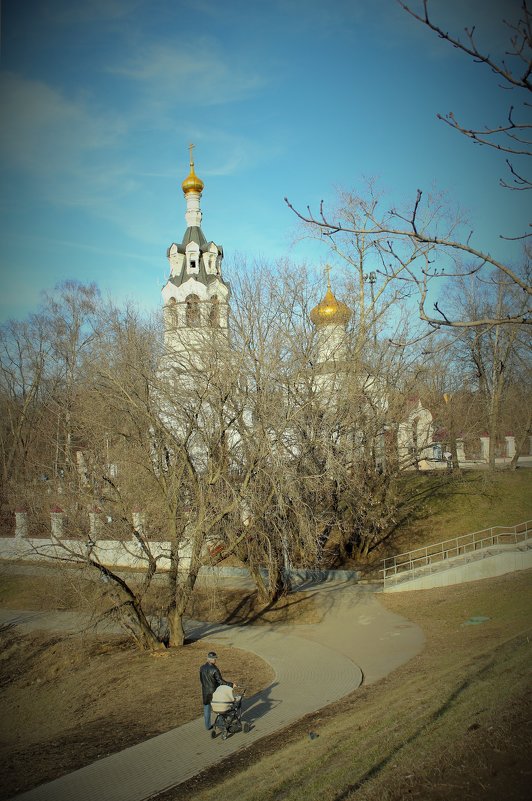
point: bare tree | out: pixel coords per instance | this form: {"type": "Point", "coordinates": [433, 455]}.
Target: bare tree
{"type": "Point", "coordinates": [23, 391]}
{"type": "Point", "coordinates": [69, 318]}
{"type": "Point", "coordinates": [497, 355]}
{"type": "Point", "coordinates": [514, 71]}
{"type": "Point", "coordinates": [328, 430]}
{"type": "Point", "coordinates": [426, 243]}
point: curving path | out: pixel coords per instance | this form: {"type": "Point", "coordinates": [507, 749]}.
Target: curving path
{"type": "Point", "coordinates": [314, 665]}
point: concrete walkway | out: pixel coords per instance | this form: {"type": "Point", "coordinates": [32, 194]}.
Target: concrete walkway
{"type": "Point", "coordinates": [358, 640]}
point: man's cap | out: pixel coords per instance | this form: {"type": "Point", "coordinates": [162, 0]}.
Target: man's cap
{"type": "Point", "coordinates": [212, 655]}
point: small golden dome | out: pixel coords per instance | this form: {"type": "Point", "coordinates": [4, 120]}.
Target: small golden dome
{"type": "Point", "coordinates": [192, 183]}
{"type": "Point", "coordinates": [330, 311]}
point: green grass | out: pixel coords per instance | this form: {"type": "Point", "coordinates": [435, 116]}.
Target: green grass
{"type": "Point", "coordinates": [425, 718]}
{"type": "Point", "coordinates": [449, 506]}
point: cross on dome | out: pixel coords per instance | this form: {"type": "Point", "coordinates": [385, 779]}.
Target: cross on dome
{"type": "Point", "coordinates": [330, 311]}
{"type": "Point", "coordinates": [192, 183]}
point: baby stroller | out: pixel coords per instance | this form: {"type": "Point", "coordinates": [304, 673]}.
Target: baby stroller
{"type": "Point", "coordinates": [230, 722]}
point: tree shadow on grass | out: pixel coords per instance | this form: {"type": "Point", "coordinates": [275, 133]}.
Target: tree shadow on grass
{"type": "Point", "coordinates": [435, 716]}
{"type": "Point", "coordinates": [243, 613]}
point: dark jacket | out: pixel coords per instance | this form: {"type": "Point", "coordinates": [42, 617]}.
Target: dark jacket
{"type": "Point", "coordinates": [210, 678]}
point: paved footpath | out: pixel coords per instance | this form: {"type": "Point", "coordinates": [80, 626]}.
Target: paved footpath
{"type": "Point", "coordinates": [358, 640]}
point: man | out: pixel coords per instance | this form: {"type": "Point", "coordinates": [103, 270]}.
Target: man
{"type": "Point", "coordinates": [210, 678]}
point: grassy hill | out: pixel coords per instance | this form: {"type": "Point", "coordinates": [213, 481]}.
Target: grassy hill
{"type": "Point", "coordinates": [437, 505]}
{"type": "Point", "coordinates": [447, 506]}
{"type": "Point", "coordinates": [452, 723]}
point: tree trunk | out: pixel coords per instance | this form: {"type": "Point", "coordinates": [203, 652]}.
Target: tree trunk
{"type": "Point", "coordinates": [492, 431]}
{"type": "Point", "coordinates": [262, 588]}
{"type": "Point", "coordinates": [183, 593]}
{"type": "Point", "coordinates": [521, 442]}
{"type": "Point", "coordinates": [278, 581]}
{"type": "Point", "coordinates": [147, 639]}
{"type": "Point", "coordinates": [175, 625]}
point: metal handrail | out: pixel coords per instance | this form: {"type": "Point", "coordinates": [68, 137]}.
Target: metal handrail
{"type": "Point", "coordinates": [428, 555]}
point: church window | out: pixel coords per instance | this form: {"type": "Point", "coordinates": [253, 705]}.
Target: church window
{"type": "Point", "coordinates": [214, 313]}
{"type": "Point", "coordinates": [192, 311]}
{"type": "Point", "coordinates": [170, 314]}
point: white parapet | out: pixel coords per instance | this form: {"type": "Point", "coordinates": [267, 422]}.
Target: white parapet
{"type": "Point", "coordinates": [21, 523]}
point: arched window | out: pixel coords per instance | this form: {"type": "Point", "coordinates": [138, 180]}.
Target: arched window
{"type": "Point", "coordinates": [214, 312]}
{"type": "Point", "coordinates": [192, 311]}
{"type": "Point", "coordinates": [170, 314]}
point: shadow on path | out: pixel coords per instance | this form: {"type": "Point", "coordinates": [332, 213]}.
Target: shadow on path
{"type": "Point", "coordinates": [260, 704]}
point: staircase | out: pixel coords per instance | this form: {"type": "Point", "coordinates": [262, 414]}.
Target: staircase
{"type": "Point", "coordinates": [457, 560]}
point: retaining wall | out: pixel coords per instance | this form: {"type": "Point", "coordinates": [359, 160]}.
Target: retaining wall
{"type": "Point", "coordinates": [488, 567]}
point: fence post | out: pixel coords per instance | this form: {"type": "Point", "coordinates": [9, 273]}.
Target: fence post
{"type": "Point", "coordinates": [56, 516]}
{"type": "Point", "coordinates": [510, 446]}
{"type": "Point", "coordinates": [21, 522]}
{"type": "Point", "coordinates": [139, 521]}
{"type": "Point", "coordinates": [95, 523]}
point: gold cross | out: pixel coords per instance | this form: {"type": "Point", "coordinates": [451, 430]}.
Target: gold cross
{"type": "Point", "coordinates": [190, 147]}
{"type": "Point", "coordinates": [327, 271]}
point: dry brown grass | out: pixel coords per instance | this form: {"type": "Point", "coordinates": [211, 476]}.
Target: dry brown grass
{"type": "Point", "coordinates": [425, 731]}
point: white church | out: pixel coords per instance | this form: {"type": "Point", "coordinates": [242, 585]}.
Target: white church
{"type": "Point", "coordinates": [196, 316]}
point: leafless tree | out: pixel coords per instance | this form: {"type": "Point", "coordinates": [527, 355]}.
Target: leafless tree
{"type": "Point", "coordinates": [513, 73]}
{"type": "Point", "coordinates": [426, 243]}
{"type": "Point", "coordinates": [497, 356]}
{"type": "Point", "coordinates": [328, 430]}
{"type": "Point", "coordinates": [23, 390]}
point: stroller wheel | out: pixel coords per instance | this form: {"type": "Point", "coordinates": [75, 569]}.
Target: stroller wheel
{"type": "Point", "coordinates": [224, 735]}
{"type": "Point", "coordinates": [245, 727]}
{"type": "Point", "coordinates": [213, 733]}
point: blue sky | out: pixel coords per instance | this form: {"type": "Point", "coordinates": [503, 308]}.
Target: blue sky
{"type": "Point", "coordinates": [296, 98]}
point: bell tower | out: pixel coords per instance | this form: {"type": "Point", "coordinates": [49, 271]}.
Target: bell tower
{"type": "Point", "coordinates": [195, 296]}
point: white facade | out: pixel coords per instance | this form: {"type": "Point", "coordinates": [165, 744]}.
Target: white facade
{"type": "Point", "coordinates": [195, 296]}
{"type": "Point", "coordinates": [415, 436]}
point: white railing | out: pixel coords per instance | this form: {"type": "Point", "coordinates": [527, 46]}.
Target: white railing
{"type": "Point", "coordinates": [437, 557]}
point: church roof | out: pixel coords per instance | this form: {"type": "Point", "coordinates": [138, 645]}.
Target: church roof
{"type": "Point", "coordinates": [330, 311]}
{"type": "Point", "coordinates": [194, 234]}
{"type": "Point", "coordinates": [201, 276]}
{"type": "Point", "coordinates": [192, 183]}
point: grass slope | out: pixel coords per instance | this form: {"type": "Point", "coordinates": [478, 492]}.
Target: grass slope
{"type": "Point", "coordinates": [466, 696]}
{"type": "Point", "coordinates": [447, 506]}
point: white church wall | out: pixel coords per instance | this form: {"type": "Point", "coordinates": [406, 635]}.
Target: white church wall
{"type": "Point", "coordinates": [111, 553]}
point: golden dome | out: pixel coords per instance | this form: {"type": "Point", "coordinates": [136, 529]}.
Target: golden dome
{"type": "Point", "coordinates": [192, 183]}
{"type": "Point", "coordinates": [330, 311]}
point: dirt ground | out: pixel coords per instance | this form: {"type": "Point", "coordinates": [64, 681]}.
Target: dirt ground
{"type": "Point", "coordinates": [69, 700]}
{"type": "Point", "coordinates": [485, 755]}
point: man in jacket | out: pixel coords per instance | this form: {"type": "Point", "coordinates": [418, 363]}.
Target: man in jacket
{"type": "Point", "coordinates": [210, 678]}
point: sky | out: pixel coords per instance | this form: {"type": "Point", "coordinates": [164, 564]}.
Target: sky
{"type": "Point", "coordinates": [282, 98]}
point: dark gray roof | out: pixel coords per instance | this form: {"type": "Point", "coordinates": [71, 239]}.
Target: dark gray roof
{"type": "Point", "coordinates": [194, 234]}
{"type": "Point", "coordinates": [201, 276]}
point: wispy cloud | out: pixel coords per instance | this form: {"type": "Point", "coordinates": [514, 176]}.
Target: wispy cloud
{"type": "Point", "coordinates": [67, 13]}
{"type": "Point", "coordinates": [77, 245]}
{"type": "Point", "coordinates": [196, 75]}
{"type": "Point", "coordinates": [71, 152]}
{"type": "Point", "coordinates": [45, 132]}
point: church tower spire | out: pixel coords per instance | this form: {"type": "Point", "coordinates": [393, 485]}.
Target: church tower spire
{"type": "Point", "coordinates": [195, 296]}
{"type": "Point", "coordinates": [330, 318]}
{"type": "Point", "coordinates": [192, 188]}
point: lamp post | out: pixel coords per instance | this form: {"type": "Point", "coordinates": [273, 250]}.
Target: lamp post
{"type": "Point", "coordinates": [371, 279]}
{"type": "Point", "coordinates": [447, 397]}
